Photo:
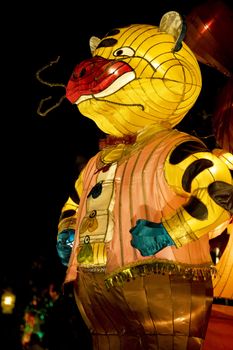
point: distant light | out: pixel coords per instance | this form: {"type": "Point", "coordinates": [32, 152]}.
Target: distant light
{"type": "Point", "coordinates": [207, 26]}
{"type": "Point", "coordinates": [8, 302]}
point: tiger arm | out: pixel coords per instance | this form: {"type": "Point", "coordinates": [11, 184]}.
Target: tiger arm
{"type": "Point", "coordinates": [67, 222]}
{"type": "Point", "coordinates": [205, 180]}
{"type": "Point", "coordinates": [69, 211]}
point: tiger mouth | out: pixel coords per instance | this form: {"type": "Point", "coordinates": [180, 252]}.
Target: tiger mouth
{"type": "Point", "coordinates": [115, 86]}
{"type": "Point", "coordinates": [98, 77]}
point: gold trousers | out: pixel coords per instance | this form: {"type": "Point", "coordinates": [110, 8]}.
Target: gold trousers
{"type": "Point", "coordinates": [150, 312]}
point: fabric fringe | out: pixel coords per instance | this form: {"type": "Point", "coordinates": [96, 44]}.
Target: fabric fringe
{"type": "Point", "coordinates": [192, 272]}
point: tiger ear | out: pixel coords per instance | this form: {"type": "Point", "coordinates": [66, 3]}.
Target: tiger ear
{"type": "Point", "coordinates": [173, 23]}
{"type": "Point", "coordinates": [93, 43]}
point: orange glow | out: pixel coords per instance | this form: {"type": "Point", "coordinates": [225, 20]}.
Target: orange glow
{"type": "Point", "coordinates": [8, 302]}
{"type": "Point", "coordinates": [207, 26]}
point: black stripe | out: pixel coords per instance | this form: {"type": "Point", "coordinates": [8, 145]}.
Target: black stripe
{"type": "Point", "coordinates": [185, 149]}
{"type": "Point", "coordinates": [193, 170]}
{"type": "Point", "coordinates": [96, 190]}
{"type": "Point", "coordinates": [74, 196]}
{"type": "Point", "coordinates": [222, 193]}
{"type": "Point", "coordinates": [107, 43]}
{"type": "Point", "coordinates": [196, 208]}
{"type": "Point", "coordinates": [113, 32]}
{"type": "Point", "coordinates": [67, 214]}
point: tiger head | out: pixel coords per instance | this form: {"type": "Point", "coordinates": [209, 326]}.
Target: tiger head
{"type": "Point", "coordinates": [139, 75]}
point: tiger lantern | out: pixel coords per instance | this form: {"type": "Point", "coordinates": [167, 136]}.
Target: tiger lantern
{"type": "Point", "coordinates": [135, 232]}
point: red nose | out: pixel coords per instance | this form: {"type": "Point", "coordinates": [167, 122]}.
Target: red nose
{"type": "Point", "coordinates": [94, 75]}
